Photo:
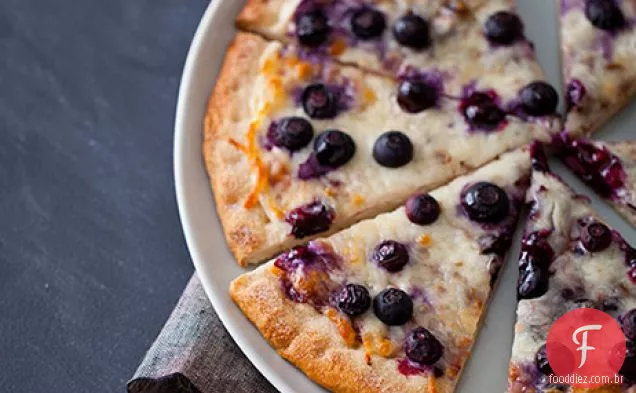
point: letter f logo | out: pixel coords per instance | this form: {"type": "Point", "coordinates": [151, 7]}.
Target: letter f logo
{"type": "Point", "coordinates": [583, 345]}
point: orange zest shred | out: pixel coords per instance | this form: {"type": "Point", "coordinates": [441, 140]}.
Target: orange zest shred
{"type": "Point", "coordinates": [239, 146]}
{"type": "Point", "coordinates": [377, 345]}
{"type": "Point", "coordinates": [425, 240]}
{"type": "Point", "coordinates": [304, 70]}
{"type": "Point", "coordinates": [338, 47]}
{"type": "Point", "coordinates": [432, 384]}
{"type": "Point", "coordinates": [358, 200]}
{"type": "Point", "coordinates": [344, 327]}
{"type": "Point", "coordinates": [369, 96]}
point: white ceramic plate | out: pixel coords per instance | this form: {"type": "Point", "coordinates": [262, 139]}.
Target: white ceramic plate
{"type": "Point", "coordinates": [487, 370]}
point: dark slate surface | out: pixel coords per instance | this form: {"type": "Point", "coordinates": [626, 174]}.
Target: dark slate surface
{"type": "Point", "coordinates": [92, 258]}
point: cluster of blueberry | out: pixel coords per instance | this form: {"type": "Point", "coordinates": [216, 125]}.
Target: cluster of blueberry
{"type": "Point", "coordinates": [482, 202]}
{"type": "Point", "coordinates": [410, 30]}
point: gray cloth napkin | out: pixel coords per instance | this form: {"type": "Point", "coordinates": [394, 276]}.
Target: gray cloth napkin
{"type": "Point", "coordinates": [194, 354]}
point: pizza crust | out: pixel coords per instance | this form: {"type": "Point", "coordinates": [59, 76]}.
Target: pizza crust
{"type": "Point", "coordinates": [244, 229]}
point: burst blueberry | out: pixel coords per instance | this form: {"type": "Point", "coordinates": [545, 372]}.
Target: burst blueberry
{"type": "Point", "coordinates": [482, 112]}
{"type": "Point", "coordinates": [533, 281]}
{"type": "Point", "coordinates": [393, 149]}
{"type": "Point", "coordinates": [503, 28]}
{"type": "Point", "coordinates": [390, 255]}
{"type": "Point", "coordinates": [422, 347]}
{"type": "Point", "coordinates": [319, 102]}
{"type": "Point", "coordinates": [353, 299]}
{"type": "Point", "coordinates": [393, 306]}
{"type": "Point", "coordinates": [412, 31]}
{"type": "Point", "coordinates": [309, 219]}
{"type": "Point", "coordinates": [604, 14]}
{"type": "Point", "coordinates": [334, 148]}
{"type": "Point", "coordinates": [422, 209]}
{"type": "Point", "coordinates": [596, 237]}
{"type": "Point", "coordinates": [367, 23]}
{"type": "Point", "coordinates": [292, 133]}
{"type": "Point", "coordinates": [415, 96]}
{"type": "Point", "coordinates": [312, 28]}
{"type": "Point", "coordinates": [539, 99]}
{"type": "Point", "coordinates": [628, 324]}
{"type": "Point", "coordinates": [486, 203]}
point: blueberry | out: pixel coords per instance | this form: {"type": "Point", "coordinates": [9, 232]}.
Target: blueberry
{"type": "Point", "coordinates": [310, 219]}
{"type": "Point", "coordinates": [334, 148]}
{"type": "Point", "coordinates": [604, 14]}
{"type": "Point", "coordinates": [414, 96]}
{"type": "Point", "coordinates": [353, 300]}
{"type": "Point", "coordinates": [422, 209]}
{"type": "Point", "coordinates": [393, 306]}
{"type": "Point", "coordinates": [533, 281]}
{"type": "Point", "coordinates": [629, 365]}
{"type": "Point", "coordinates": [292, 133]}
{"type": "Point", "coordinates": [486, 203]}
{"type": "Point", "coordinates": [503, 28]}
{"type": "Point", "coordinates": [541, 361]}
{"type": "Point", "coordinates": [367, 23]}
{"type": "Point", "coordinates": [596, 237]}
{"type": "Point", "coordinates": [536, 245]}
{"type": "Point", "coordinates": [390, 255]}
{"type": "Point", "coordinates": [312, 28]}
{"type": "Point", "coordinates": [481, 111]}
{"type": "Point", "coordinates": [412, 31]}
{"type": "Point", "coordinates": [423, 347]}
{"type": "Point", "coordinates": [319, 102]}
{"type": "Point", "coordinates": [539, 99]}
{"type": "Point", "coordinates": [393, 149]}
{"type": "Point", "coordinates": [628, 324]}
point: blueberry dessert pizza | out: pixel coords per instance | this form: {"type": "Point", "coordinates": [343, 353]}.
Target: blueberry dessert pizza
{"type": "Point", "coordinates": [607, 167]}
{"type": "Point", "coordinates": [392, 304]}
{"type": "Point", "coordinates": [299, 146]}
{"type": "Point", "coordinates": [570, 258]}
{"type": "Point", "coordinates": [598, 46]}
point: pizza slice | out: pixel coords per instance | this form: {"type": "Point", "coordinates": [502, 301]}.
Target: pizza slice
{"type": "Point", "coordinates": [569, 259]}
{"type": "Point", "coordinates": [392, 304]}
{"type": "Point", "coordinates": [608, 167]}
{"type": "Point", "coordinates": [298, 146]}
{"type": "Point", "coordinates": [597, 40]}
{"type": "Point", "coordinates": [468, 42]}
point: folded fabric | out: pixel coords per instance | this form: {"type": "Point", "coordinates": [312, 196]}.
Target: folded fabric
{"type": "Point", "coordinates": [195, 354]}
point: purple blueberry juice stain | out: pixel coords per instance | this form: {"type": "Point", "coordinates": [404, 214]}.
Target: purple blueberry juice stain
{"type": "Point", "coordinates": [567, 5]}
{"type": "Point", "coordinates": [314, 260]}
{"type": "Point", "coordinates": [596, 166]}
{"type": "Point", "coordinates": [409, 368]}
{"type": "Point", "coordinates": [420, 295]}
{"type": "Point", "coordinates": [575, 93]}
{"type": "Point", "coordinates": [311, 168]}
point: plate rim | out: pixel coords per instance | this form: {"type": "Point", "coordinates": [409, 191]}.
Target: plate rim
{"type": "Point", "coordinates": [185, 86]}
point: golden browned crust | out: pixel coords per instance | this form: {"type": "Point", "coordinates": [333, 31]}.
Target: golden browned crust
{"type": "Point", "coordinates": [227, 166]}
{"type": "Point", "coordinates": [259, 15]}
{"type": "Point", "coordinates": [311, 342]}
